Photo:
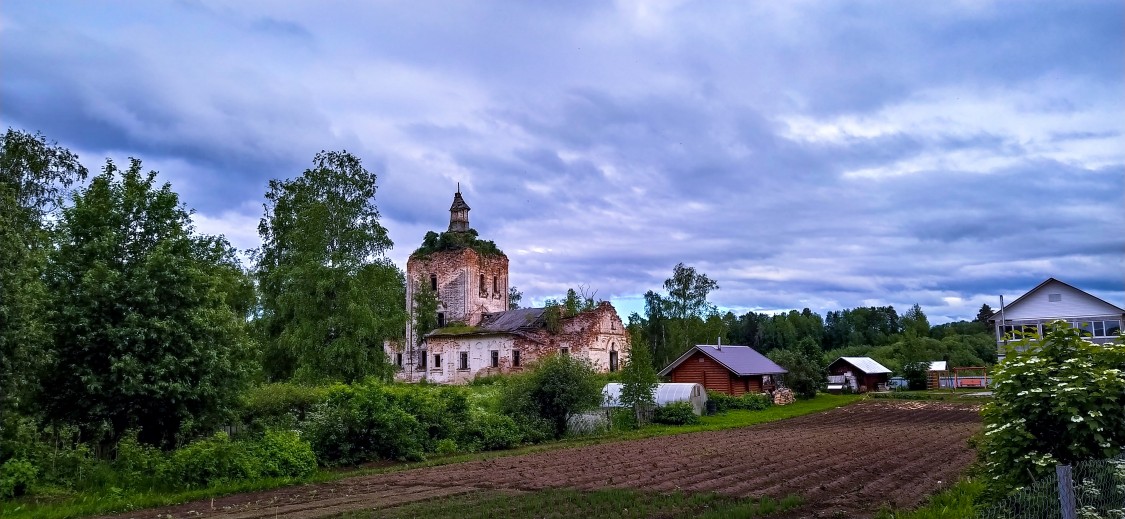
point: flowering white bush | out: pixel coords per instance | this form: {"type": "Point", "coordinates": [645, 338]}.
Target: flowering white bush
{"type": "Point", "coordinates": [1061, 400]}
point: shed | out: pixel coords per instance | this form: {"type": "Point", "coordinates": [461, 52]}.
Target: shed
{"type": "Point", "coordinates": [861, 374]}
{"type": "Point", "coordinates": [734, 370]}
{"type": "Point", "coordinates": [666, 393]}
{"type": "Point", "coordinates": [939, 369]}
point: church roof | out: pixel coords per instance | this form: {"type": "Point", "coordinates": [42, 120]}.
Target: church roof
{"type": "Point", "coordinates": [511, 320]}
{"type": "Point", "coordinates": [459, 203]}
{"type": "Point", "coordinates": [522, 322]}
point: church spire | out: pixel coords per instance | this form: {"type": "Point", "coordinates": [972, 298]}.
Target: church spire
{"type": "Point", "coordinates": [459, 213]}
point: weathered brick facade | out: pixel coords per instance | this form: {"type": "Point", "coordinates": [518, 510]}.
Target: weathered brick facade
{"type": "Point", "coordinates": [468, 283]}
{"type": "Point", "coordinates": [597, 335]}
{"type": "Point", "coordinates": [472, 289]}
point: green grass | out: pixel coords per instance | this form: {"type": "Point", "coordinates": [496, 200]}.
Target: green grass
{"type": "Point", "coordinates": [114, 500]}
{"type": "Point", "coordinates": [955, 502]}
{"type": "Point", "coordinates": [935, 394]}
{"type": "Point", "coordinates": [563, 503]}
{"type": "Point", "coordinates": [65, 506]}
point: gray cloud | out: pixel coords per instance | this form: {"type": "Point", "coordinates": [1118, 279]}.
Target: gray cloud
{"type": "Point", "coordinates": [827, 155]}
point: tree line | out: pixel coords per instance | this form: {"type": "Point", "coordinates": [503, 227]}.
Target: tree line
{"type": "Point", "coordinates": [117, 314]}
{"type": "Point", "coordinates": [802, 341]}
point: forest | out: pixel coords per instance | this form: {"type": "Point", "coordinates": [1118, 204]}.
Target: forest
{"type": "Point", "coordinates": [135, 350]}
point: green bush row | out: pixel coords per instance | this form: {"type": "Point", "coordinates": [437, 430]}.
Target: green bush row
{"type": "Point", "coordinates": [748, 401]}
{"type": "Point", "coordinates": [675, 413]}
{"type": "Point", "coordinates": [204, 462]}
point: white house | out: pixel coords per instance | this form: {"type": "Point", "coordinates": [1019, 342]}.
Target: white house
{"type": "Point", "coordinates": [1054, 300]}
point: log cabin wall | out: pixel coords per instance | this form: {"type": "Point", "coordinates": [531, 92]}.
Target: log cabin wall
{"type": "Point", "coordinates": [713, 376]}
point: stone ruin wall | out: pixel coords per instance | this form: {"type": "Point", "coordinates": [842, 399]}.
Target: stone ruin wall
{"type": "Point", "coordinates": [590, 335]}
{"type": "Point", "coordinates": [459, 288]}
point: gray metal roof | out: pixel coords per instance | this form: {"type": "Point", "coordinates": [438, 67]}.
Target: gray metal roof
{"type": "Point", "coordinates": [865, 364]}
{"type": "Point", "coordinates": [740, 360]}
{"type": "Point", "coordinates": [511, 320]}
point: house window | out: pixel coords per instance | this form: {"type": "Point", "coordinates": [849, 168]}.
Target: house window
{"type": "Point", "coordinates": [463, 364]}
{"type": "Point", "coordinates": [398, 360]}
{"type": "Point", "coordinates": [433, 282]}
{"type": "Point", "coordinates": [613, 361]}
{"type": "Point", "coordinates": [437, 361]}
{"type": "Point", "coordinates": [495, 359]}
{"type": "Point", "coordinates": [564, 351]}
{"type": "Point", "coordinates": [422, 360]}
{"type": "Point", "coordinates": [515, 358]}
{"type": "Point", "coordinates": [1100, 328]}
{"type": "Point", "coordinates": [441, 319]}
{"type": "Point", "coordinates": [1054, 298]}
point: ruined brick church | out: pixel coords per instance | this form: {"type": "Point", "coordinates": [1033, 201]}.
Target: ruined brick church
{"type": "Point", "coordinates": [477, 334]}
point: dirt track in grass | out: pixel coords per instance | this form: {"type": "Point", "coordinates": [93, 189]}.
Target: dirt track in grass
{"type": "Point", "coordinates": [844, 462]}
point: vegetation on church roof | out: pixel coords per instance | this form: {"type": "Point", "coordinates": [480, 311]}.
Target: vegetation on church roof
{"type": "Point", "coordinates": [455, 328]}
{"type": "Point", "coordinates": [453, 241]}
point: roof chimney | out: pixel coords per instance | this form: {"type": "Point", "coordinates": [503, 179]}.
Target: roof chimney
{"type": "Point", "coordinates": [720, 347]}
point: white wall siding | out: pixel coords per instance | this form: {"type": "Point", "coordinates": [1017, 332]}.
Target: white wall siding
{"type": "Point", "coordinates": [1074, 303]}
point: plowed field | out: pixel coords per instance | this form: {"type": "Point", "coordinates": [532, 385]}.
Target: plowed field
{"type": "Point", "coordinates": [846, 462]}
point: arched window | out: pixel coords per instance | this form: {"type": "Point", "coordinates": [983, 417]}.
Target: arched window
{"type": "Point", "coordinates": [483, 288]}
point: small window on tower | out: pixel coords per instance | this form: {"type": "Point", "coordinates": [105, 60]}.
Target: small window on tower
{"type": "Point", "coordinates": [483, 288]}
{"type": "Point", "coordinates": [495, 285]}
{"type": "Point", "coordinates": [441, 319]}
{"type": "Point", "coordinates": [433, 282]}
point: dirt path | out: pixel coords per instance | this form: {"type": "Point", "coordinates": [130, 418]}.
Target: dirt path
{"type": "Point", "coordinates": [846, 461]}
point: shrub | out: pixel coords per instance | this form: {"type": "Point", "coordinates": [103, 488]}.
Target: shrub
{"type": "Point", "coordinates": [554, 389]}
{"type": "Point", "coordinates": [1057, 402]}
{"type": "Point", "coordinates": [806, 373]}
{"type": "Point", "coordinates": [676, 413]}
{"type": "Point", "coordinates": [361, 423]}
{"type": "Point", "coordinates": [748, 401]}
{"type": "Point", "coordinates": [284, 454]}
{"type": "Point", "coordinates": [280, 406]}
{"type": "Point", "coordinates": [212, 460]}
{"type": "Point", "coordinates": [488, 432]}
{"type": "Point", "coordinates": [915, 374]}
{"type": "Point", "coordinates": [16, 476]}
{"type": "Point", "coordinates": [441, 411]}
{"type": "Point", "coordinates": [138, 465]}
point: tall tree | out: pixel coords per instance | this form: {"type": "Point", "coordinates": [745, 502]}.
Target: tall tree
{"type": "Point", "coordinates": [330, 297]}
{"type": "Point", "coordinates": [514, 298]}
{"type": "Point", "coordinates": [639, 380]}
{"type": "Point", "coordinates": [914, 321]}
{"type": "Point", "coordinates": [34, 178]}
{"type": "Point", "coordinates": [687, 292]}
{"type": "Point", "coordinates": [148, 331]}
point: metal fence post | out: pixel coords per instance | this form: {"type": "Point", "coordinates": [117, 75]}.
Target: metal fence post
{"type": "Point", "coordinates": [1066, 491]}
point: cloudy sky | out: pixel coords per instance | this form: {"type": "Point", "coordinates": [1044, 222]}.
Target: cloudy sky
{"type": "Point", "coordinates": [803, 154]}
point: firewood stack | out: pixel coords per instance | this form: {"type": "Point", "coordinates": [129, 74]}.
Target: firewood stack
{"type": "Point", "coordinates": [783, 396]}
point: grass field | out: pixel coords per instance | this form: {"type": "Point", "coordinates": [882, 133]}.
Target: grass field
{"type": "Point", "coordinates": [962, 394]}
{"type": "Point", "coordinates": [563, 503]}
